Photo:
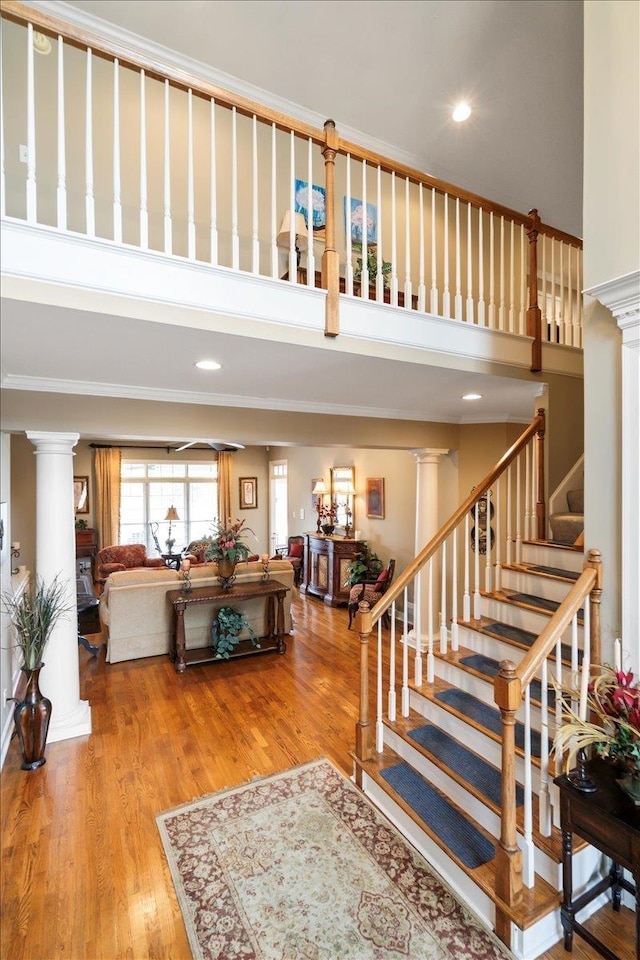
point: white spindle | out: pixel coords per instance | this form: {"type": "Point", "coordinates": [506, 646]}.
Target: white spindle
{"type": "Point", "coordinates": [569, 305]}
{"type": "Point", "coordinates": [392, 666]}
{"type": "Point", "coordinates": [497, 581]}
{"type": "Point", "coordinates": [565, 297]}
{"type": "Point", "coordinates": [574, 646]}
{"type": "Point", "coordinates": [349, 264]}
{"type": "Point", "coordinates": [365, 281]}
{"type": "Point", "coordinates": [512, 280]}
{"type": "Point", "coordinates": [61, 191]}
{"type": "Point", "coordinates": [255, 180]}
{"type": "Point", "coordinates": [379, 681]}
{"type": "Point", "coordinates": [466, 596]}
{"type": "Point", "coordinates": [89, 197]}
{"type": "Point", "coordinates": [469, 268]}
{"type": "Point", "coordinates": [457, 301]}
{"type": "Point", "coordinates": [168, 227]}
{"type": "Point", "coordinates": [213, 189]}
{"type": "Point", "coordinates": [191, 219]}
{"type": "Point", "coordinates": [487, 557]}
{"type": "Point", "coordinates": [430, 657]}
{"type": "Point", "coordinates": [274, 213]}
{"type": "Point", "coordinates": [554, 310]}
{"type": "Point", "coordinates": [394, 245]}
{"type": "Point", "coordinates": [528, 518]}
{"type": "Point", "coordinates": [422, 290]}
{"type": "Point", "coordinates": [523, 284]}
{"type": "Point", "coordinates": [379, 275]}
{"type": "Point", "coordinates": [405, 653]}
{"type": "Point", "coordinates": [311, 258]}
{"type": "Point", "coordinates": [454, 591]}
{"type": "Point", "coordinates": [476, 567]}
{"type": "Point", "coordinates": [446, 294]}
{"type": "Point", "coordinates": [443, 600]}
{"type": "Point", "coordinates": [144, 213]}
{"type": "Point", "coordinates": [408, 289]}
{"type": "Point", "coordinates": [293, 258]}
{"type": "Point", "coordinates": [528, 870]}
{"type": "Point", "coordinates": [31, 130]}
{"type": "Point", "coordinates": [544, 799]}
{"type": "Point", "coordinates": [508, 523]}
{"type": "Point", "coordinates": [501, 309]}
{"type": "Point", "coordinates": [533, 480]}
{"type": "Point", "coordinates": [417, 609]}
{"type": "Point", "coordinates": [434, 268]}
{"type": "Point", "coordinates": [577, 330]}
{"type": "Point", "coordinates": [542, 247]}
{"type": "Point", "coordinates": [235, 236]}
{"type": "Point", "coordinates": [481, 304]}
{"type": "Point", "coordinates": [518, 512]}
{"type": "Point", "coordinates": [117, 200]}
{"type": "Point", "coordinates": [492, 280]}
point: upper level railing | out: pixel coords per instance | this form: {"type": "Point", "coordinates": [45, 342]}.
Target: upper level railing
{"type": "Point", "coordinates": [103, 140]}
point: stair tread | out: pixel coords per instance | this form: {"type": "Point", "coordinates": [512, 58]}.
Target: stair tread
{"type": "Point", "coordinates": [541, 570]}
{"type": "Point", "coordinates": [488, 667]}
{"type": "Point", "coordinates": [514, 635]}
{"type": "Point", "coordinates": [528, 601]}
{"type": "Point", "coordinates": [486, 716]}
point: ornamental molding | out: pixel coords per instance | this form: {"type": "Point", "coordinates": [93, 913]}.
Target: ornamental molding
{"type": "Point", "coordinates": [622, 297]}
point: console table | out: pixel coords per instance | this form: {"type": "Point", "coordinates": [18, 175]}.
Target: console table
{"type": "Point", "coordinates": [271, 591]}
{"type": "Point", "coordinates": [609, 821]}
{"type": "Point", "coordinates": [326, 559]}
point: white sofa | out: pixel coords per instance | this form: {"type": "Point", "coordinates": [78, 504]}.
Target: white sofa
{"type": "Point", "coordinates": [137, 616]}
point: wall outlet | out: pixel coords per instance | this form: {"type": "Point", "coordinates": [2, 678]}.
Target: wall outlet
{"type": "Point", "coordinates": [302, 513]}
{"type": "Point", "coordinates": [293, 514]}
{"type": "Point", "coordinates": [23, 153]}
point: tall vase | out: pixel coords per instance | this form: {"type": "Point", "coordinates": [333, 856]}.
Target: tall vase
{"type": "Point", "coordinates": [31, 716]}
{"type": "Point", "coordinates": [226, 572]}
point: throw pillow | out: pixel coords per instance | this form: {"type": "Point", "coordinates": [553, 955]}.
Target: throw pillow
{"type": "Point", "coordinates": [382, 579]}
{"type": "Point", "coordinates": [296, 550]}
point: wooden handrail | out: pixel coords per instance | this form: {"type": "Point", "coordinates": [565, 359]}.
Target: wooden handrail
{"type": "Point", "coordinates": [536, 426]}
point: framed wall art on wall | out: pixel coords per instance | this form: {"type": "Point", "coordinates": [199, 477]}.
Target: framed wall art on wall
{"type": "Point", "coordinates": [248, 493]}
{"type": "Point", "coordinates": [374, 497]}
{"type": "Point", "coordinates": [81, 494]}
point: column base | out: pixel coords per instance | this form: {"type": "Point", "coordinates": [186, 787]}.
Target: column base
{"type": "Point", "coordinates": [74, 724]}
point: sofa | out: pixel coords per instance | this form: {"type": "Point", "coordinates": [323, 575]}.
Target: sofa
{"type": "Point", "coordinates": [137, 617]}
{"type": "Point", "coordinates": [125, 556]}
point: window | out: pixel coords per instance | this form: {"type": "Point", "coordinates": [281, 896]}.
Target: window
{"type": "Point", "coordinates": [148, 490]}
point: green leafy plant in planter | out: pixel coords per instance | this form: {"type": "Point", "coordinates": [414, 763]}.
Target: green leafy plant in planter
{"type": "Point", "coordinates": [81, 524]}
{"type": "Point", "coordinates": [372, 266]}
{"type": "Point", "coordinates": [227, 626]}
{"type": "Point", "coordinates": [366, 565]}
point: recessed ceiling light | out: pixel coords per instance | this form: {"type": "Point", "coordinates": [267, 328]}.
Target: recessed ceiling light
{"type": "Point", "coordinates": [208, 365]}
{"type": "Point", "coordinates": [461, 112]}
{"type": "Point", "coordinates": [472, 396]}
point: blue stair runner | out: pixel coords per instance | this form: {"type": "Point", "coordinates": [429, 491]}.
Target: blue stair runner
{"type": "Point", "coordinates": [542, 602]}
{"type": "Point", "coordinates": [469, 765]}
{"type": "Point", "coordinates": [554, 571]}
{"type": "Point", "coordinates": [486, 716]}
{"type": "Point", "coordinates": [524, 637]}
{"type": "Point", "coordinates": [491, 668]}
{"type": "Point", "coordinates": [467, 843]}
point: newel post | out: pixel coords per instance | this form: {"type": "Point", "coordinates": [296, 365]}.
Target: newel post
{"type": "Point", "coordinates": [363, 726]}
{"type": "Point", "coordinates": [594, 560]}
{"type": "Point", "coordinates": [330, 257]}
{"type": "Point", "coordinates": [534, 314]}
{"type": "Point", "coordinates": [541, 510]}
{"type": "Point", "coordinates": [508, 695]}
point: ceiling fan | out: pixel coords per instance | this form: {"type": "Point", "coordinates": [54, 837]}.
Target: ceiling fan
{"type": "Point", "coordinates": [219, 445]}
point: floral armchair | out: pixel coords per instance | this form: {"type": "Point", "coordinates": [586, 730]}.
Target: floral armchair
{"type": "Point", "coordinates": [371, 591]}
{"type": "Point", "coordinates": [123, 557]}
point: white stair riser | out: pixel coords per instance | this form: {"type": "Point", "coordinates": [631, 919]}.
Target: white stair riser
{"type": "Point", "coordinates": [498, 649]}
{"type": "Point", "coordinates": [547, 556]}
{"type": "Point", "coordinates": [539, 586]}
{"type": "Point", "coordinates": [474, 807]}
{"type": "Point", "coordinates": [522, 617]}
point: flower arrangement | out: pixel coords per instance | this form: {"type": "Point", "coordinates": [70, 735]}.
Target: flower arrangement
{"type": "Point", "coordinates": [613, 700]}
{"type": "Point", "coordinates": [226, 542]}
{"type": "Point", "coordinates": [328, 512]}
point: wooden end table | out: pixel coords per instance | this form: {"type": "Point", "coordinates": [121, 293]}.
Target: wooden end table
{"type": "Point", "coordinates": [273, 592]}
{"type": "Point", "coordinates": [609, 821]}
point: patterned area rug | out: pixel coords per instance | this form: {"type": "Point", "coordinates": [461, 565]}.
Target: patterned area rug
{"type": "Point", "coordinates": [300, 866]}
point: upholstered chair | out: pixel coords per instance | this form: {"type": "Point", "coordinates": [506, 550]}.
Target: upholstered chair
{"type": "Point", "coordinates": [123, 557]}
{"type": "Point", "coordinates": [295, 556]}
{"type": "Point", "coordinates": [371, 591]}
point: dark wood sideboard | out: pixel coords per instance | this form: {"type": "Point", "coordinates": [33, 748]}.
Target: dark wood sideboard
{"type": "Point", "coordinates": [325, 567]}
{"type": "Point", "coordinates": [87, 545]}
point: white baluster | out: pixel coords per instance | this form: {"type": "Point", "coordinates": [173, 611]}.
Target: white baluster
{"type": "Point", "coordinates": [476, 567]}
{"type": "Point", "coordinates": [512, 281]}
{"type": "Point", "coordinates": [422, 289]}
{"type": "Point", "coordinates": [379, 275]}
{"type": "Point", "coordinates": [508, 524]}
{"type": "Point", "coordinates": [311, 257]}
{"type": "Point", "coordinates": [554, 308]}
{"type": "Point", "coordinates": [191, 220]}
{"type": "Point", "coordinates": [518, 513]}
{"type": "Point", "coordinates": [443, 600]}
{"type": "Point", "coordinates": [534, 491]}
{"type": "Point", "coordinates": [365, 280]}
{"type": "Point", "coordinates": [430, 660]}
{"type": "Point", "coordinates": [574, 646]}
{"type": "Point", "coordinates": [405, 653]}
{"type": "Point", "coordinates": [457, 302]}
{"type": "Point", "coordinates": [144, 213]}
{"type": "Point", "coordinates": [273, 246]}
{"type": "Point", "coordinates": [569, 307]}
{"type": "Point", "coordinates": [566, 297]}
{"type": "Point", "coordinates": [392, 666]}
{"type": "Point", "coordinates": [61, 191]}
{"type": "Point", "coordinates": [487, 556]}
{"type": "Point", "coordinates": [31, 131]}
{"type": "Point", "coordinates": [542, 246]}
{"type": "Point", "coordinates": [528, 871]}
{"type": "Point", "coordinates": [492, 280]}
{"type": "Point", "coordinates": [558, 685]}
{"type": "Point", "coordinates": [446, 295]}
{"type": "Point", "coordinates": [481, 304]}
{"type": "Point", "coordinates": [469, 317]}
{"type": "Point", "coordinates": [466, 596]}
{"type": "Point", "coordinates": [349, 263]}
{"type": "Point", "coordinates": [293, 257]}
{"type": "Point", "coordinates": [454, 592]}
{"type": "Point", "coordinates": [417, 608]}
{"type": "Point", "coordinates": [235, 236]}
{"type": "Point", "coordinates": [497, 585]}
{"type": "Point", "coordinates": [577, 329]}
{"type": "Point", "coordinates": [117, 200]}
{"type": "Point", "coordinates": [528, 516]}
{"type": "Point", "coordinates": [213, 188]}
{"type": "Point", "coordinates": [89, 198]}
{"type": "Point", "coordinates": [408, 289]}
{"type": "Point", "coordinates": [394, 250]}
{"type": "Point", "coordinates": [379, 723]}
{"type": "Point", "coordinates": [501, 309]}
{"type": "Point", "coordinates": [544, 799]}
{"type": "Point", "coordinates": [255, 242]}
{"type": "Point", "coordinates": [168, 227]}
{"type": "Point", "coordinates": [434, 269]}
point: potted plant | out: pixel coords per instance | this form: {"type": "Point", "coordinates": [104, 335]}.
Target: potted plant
{"type": "Point", "coordinates": [227, 547]}
{"type": "Point", "coordinates": [610, 725]}
{"type": "Point", "coordinates": [366, 565]}
{"type": "Point", "coordinates": [372, 266]}
{"type": "Point", "coordinates": [227, 626]}
{"type": "Point", "coordinates": [34, 612]}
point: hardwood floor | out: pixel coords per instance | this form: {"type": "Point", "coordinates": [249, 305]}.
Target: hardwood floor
{"type": "Point", "coordinates": [84, 876]}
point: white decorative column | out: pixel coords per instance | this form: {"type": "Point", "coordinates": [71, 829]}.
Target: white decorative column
{"type": "Point", "coordinates": [427, 525]}
{"type": "Point", "coordinates": [55, 556]}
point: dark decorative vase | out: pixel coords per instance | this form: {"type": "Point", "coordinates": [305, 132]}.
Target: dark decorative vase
{"type": "Point", "coordinates": [328, 528]}
{"type": "Point", "coordinates": [226, 572]}
{"type": "Point", "coordinates": [32, 716]}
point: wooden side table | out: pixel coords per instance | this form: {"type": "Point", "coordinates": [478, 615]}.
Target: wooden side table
{"type": "Point", "coordinates": [272, 591]}
{"type": "Point", "coordinates": [609, 821]}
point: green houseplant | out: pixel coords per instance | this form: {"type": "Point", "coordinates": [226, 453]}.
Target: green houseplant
{"type": "Point", "coordinates": [227, 626]}
{"type": "Point", "coordinates": [372, 266]}
{"type": "Point", "coordinates": [366, 565]}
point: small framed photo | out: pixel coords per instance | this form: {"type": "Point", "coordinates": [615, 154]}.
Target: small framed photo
{"type": "Point", "coordinates": [374, 495]}
{"type": "Point", "coordinates": [248, 493]}
{"type": "Point", "coordinates": [81, 494]}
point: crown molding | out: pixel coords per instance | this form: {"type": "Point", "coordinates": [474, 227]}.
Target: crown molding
{"type": "Point", "coordinates": [621, 296]}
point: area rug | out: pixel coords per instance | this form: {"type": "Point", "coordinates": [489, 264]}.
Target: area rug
{"type": "Point", "coordinates": [300, 866]}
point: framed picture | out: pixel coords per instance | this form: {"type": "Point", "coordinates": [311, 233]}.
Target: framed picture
{"type": "Point", "coordinates": [81, 494]}
{"type": "Point", "coordinates": [359, 221]}
{"type": "Point", "coordinates": [318, 205]}
{"type": "Point", "coordinates": [374, 496]}
{"type": "Point", "coordinates": [248, 493]}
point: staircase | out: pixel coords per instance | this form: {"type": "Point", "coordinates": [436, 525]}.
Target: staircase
{"type": "Point", "coordinates": [436, 771]}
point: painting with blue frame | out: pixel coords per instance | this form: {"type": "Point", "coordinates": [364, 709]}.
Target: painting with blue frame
{"type": "Point", "coordinates": [318, 203]}
{"type": "Point", "coordinates": [358, 219]}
